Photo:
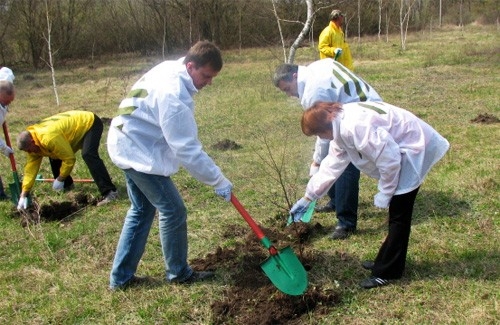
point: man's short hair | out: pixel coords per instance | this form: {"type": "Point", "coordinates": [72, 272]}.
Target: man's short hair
{"type": "Point", "coordinates": [6, 87]}
{"type": "Point", "coordinates": [203, 53]}
{"type": "Point", "coordinates": [284, 72]}
{"type": "Point", "coordinates": [336, 14]}
{"type": "Point", "coordinates": [24, 140]}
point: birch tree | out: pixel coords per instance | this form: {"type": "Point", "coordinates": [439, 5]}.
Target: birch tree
{"type": "Point", "coordinates": [49, 50]}
{"type": "Point", "coordinates": [404, 18]}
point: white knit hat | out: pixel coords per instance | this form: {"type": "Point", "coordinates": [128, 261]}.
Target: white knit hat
{"type": "Point", "coordinates": [7, 74]}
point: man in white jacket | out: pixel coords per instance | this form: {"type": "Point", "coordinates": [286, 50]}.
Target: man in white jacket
{"type": "Point", "coordinates": [328, 80]}
{"type": "Point", "coordinates": [387, 143]}
{"type": "Point", "coordinates": [153, 136]}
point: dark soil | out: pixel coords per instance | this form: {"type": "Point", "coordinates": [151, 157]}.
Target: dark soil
{"type": "Point", "coordinates": [106, 120]}
{"type": "Point", "coordinates": [226, 144]}
{"type": "Point", "coordinates": [485, 119]}
{"type": "Point", "coordinates": [251, 298]}
{"type": "Point", "coordinates": [56, 211]}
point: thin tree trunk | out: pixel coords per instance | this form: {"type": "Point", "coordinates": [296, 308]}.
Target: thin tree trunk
{"type": "Point", "coordinates": [49, 49]}
{"type": "Point", "coordinates": [303, 32]}
{"type": "Point", "coordinates": [279, 28]}
{"type": "Point", "coordinates": [379, 18]}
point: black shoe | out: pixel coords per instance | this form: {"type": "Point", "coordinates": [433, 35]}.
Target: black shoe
{"type": "Point", "coordinates": [341, 233]}
{"type": "Point", "coordinates": [197, 276]}
{"type": "Point", "coordinates": [135, 281]}
{"type": "Point", "coordinates": [324, 208]}
{"type": "Point", "coordinates": [373, 282]}
{"type": "Point", "coordinates": [368, 265]}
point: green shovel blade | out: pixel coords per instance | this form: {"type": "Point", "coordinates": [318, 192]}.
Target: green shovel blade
{"type": "Point", "coordinates": [306, 217]}
{"type": "Point", "coordinates": [15, 189]}
{"type": "Point", "coordinates": [14, 193]}
{"type": "Point", "coordinates": [286, 272]}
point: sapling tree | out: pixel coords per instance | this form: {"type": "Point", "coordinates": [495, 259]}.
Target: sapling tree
{"type": "Point", "coordinates": [50, 63]}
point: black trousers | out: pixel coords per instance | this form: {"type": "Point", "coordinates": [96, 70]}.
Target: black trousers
{"type": "Point", "coordinates": [90, 154]}
{"type": "Point", "coordinates": [391, 259]}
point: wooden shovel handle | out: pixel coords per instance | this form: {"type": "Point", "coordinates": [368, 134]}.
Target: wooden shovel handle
{"type": "Point", "coordinates": [7, 141]}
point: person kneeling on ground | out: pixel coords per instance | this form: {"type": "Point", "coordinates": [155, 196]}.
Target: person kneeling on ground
{"type": "Point", "coordinates": [387, 143]}
{"type": "Point", "coordinates": [59, 137]}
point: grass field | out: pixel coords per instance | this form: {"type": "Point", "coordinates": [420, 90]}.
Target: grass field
{"type": "Point", "coordinates": [57, 272]}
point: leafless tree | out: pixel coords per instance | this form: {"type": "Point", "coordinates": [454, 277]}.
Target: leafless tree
{"type": "Point", "coordinates": [49, 50]}
{"type": "Point", "coordinates": [404, 18]}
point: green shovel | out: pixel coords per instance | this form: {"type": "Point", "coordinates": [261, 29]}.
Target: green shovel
{"type": "Point", "coordinates": [283, 267]}
{"type": "Point", "coordinates": [306, 217]}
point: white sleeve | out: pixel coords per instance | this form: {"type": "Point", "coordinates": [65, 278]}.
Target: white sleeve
{"type": "Point", "coordinates": [181, 133]}
{"type": "Point", "coordinates": [320, 150]}
{"type": "Point", "coordinates": [332, 166]}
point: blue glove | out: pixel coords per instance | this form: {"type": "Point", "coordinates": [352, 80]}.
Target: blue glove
{"type": "Point", "coordinates": [299, 209]}
{"type": "Point", "coordinates": [225, 192]}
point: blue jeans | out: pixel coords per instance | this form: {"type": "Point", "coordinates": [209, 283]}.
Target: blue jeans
{"type": "Point", "coordinates": [344, 198]}
{"type": "Point", "coordinates": [148, 193]}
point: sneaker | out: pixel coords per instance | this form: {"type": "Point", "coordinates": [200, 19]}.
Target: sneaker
{"type": "Point", "coordinates": [324, 208]}
{"type": "Point", "coordinates": [373, 282]}
{"type": "Point", "coordinates": [341, 233]}
{"type": "Point", "coordinates": [368, 265]}
{"type": "Point", "coordinates": [111, 196]}
{"type": "Point", "coordinates": [197, 276]}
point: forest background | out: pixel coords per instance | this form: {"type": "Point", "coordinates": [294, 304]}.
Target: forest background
{"type": "Point", "coordinates": [41, 33]}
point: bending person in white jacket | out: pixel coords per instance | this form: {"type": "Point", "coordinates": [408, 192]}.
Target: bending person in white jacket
{"type": "Point", "coordinates": [7, 95]}
{"type": "Point", "coordinates": [387, 143]}
{"type": "Point", "coordinates": [153, 136]}
{"type": "Point", "coordinates": [329, 81]}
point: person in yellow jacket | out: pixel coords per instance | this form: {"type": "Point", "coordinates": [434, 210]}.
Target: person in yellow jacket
{"type": "Point", "coordinates": [59, 137]}
{"type": "Point", "coordinates": [332, 42]}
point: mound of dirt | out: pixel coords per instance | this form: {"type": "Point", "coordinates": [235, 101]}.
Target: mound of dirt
{"type": "Point", "coordinates": [106, 120]}
{"type": "Point", "coordinates": [226, 144]}
{"type": "Point", "coordinates": [56, 211]}
{"type": "Point", "coordinates": [485, 119]}
{"type": "Point", "coordinates": [251, 298]}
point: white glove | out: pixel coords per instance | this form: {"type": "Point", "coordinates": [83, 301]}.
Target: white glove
{"type": "Point", "coordinates": [225, 191]}
{"type": "Point", "coordinates": [6, 150]}
{"type": "Point", "coordinates": [57, 185]}
{"type": "Point", "coordinates": [337, 51]}
{"type": "Point", "coordinates": [382, 200]}
{"type": "Point", "coordinates": [313, 169]}
{"type": "Point", "coordinates": [299, 209]}
{"type": "Point", "coordinates": [22, 204]}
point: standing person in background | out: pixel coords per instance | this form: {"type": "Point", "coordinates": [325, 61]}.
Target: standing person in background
{"type": "Point", "coordinates": [154, 135]}
{"type": "Point", "coordinates": [59, 137]}
{"type": "Point", "coordinates": [387, 143]}
{"type": "Point", "coordinates": [7, 95]}
{"type": "Point", "coordinates": [332, 42]}
{"type": "Point", "coordinates": [328, 80]}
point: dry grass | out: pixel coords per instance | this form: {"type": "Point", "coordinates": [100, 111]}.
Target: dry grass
{"type": "Point", "coordinates": [57, 273]}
